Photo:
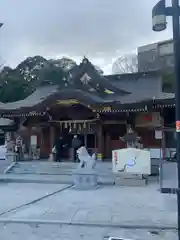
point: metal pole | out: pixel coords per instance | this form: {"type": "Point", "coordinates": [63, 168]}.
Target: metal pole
{"type": "Point", "coordinates": [161, 168]}
{"type": "Point", "coordinates": [176, 40]}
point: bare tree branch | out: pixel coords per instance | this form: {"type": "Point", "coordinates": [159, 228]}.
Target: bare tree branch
{"type": "Point", "coordinates": [126, 64]}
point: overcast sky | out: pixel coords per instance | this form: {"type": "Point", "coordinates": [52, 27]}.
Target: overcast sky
{"type": "Point", "coordinates": [102, 30]}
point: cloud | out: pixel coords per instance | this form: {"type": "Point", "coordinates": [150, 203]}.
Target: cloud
{"type": "Point", "coordinates": [99, 29]}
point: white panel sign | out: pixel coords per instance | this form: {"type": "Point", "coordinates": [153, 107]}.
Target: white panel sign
{"type": "Point", "coordinates": [33, 140]}
{"type": "Point", "coordinates": [158, 134]}
{"type": "Point", "coordinates": [131, 160]}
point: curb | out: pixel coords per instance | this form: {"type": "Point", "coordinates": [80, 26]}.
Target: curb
{"type": "Point", "coordinates": [108, 225]}
{"type": "Point", "coordinates": [11, 180]}
{"type": "Point", "coordinates": [21, 180]}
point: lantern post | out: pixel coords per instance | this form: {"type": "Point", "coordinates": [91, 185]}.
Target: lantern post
{"type": "Point", "coordinates": [159, 14]}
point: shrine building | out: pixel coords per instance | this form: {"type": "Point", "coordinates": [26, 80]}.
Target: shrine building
{"type": "Point", "coordinates": [96, 107]}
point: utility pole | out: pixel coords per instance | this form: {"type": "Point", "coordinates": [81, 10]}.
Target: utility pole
{"type": "Point", "coordinates": [159, 13]}
{"type": "Point", "coordinates": [1, 24]}
{"type": "Point", "coordinates": [176, 39]}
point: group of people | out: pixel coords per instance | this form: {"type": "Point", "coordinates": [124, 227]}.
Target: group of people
{"type": "Point", "coordinates": [60, 147]}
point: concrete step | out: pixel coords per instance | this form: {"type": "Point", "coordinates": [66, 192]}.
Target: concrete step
{"type": "Point", "coordinates": [38, 167]}
{"type": "Point", "coordinates": [54, 168]}
{"type": "Point", "coordinates": [58, 179]}
{"type": "Point", "coordinates": [61, 172]}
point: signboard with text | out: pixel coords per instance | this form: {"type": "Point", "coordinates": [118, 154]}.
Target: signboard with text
{"type": "Point", "coordinates": [131, 160]}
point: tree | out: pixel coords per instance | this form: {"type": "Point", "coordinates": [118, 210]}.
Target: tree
{"type": "Point", "coordinates": [13, 86]}
{"type": "Point", "coordinates": [64, 63]}
{"type": "Point", "coordinates": [168, 81]}
{"type": "Point", "coordinates": [126, 64]}
{"type": "Point", "coordinates": [30, 69]}
{"type": "Point", "coordinates": [52, 74]}
{"type": "Point", "coordinates": [16, 84]}
{"type": "Point", "coordinates": [30, 66]}
{"type": "Point", "coordinates": [39, 71]}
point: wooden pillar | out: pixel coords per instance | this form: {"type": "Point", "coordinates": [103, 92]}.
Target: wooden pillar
{"type": "Point", "coordinates": [52, 136]}
{"type": "Point", "coordinates": [163, 140]}
{"type": "Point", "coordinates": [29, 140]}
{"type": "Point", "coordinates": [100, 142]}
{"type": "Point", "coordinates": [40, 141]}
{"type": "Point", "coordinates": [108, 146]}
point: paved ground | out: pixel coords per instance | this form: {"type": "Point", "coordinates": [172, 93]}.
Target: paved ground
{"type": "Point", "coordinates": [3, 165]}
{"type": "Point", "coordinates": [64, 232]}
{"type": "Point", "coordinates": [138, 206]}
{"type": "Point", "coordinates": [14, 195]}
{"type": "Point", "coordinates": [66, 213]}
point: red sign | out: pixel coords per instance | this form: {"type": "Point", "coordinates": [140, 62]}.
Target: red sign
{"type": "Point", "coordinates": [116, 157]}
{"type": "Point", "coordinates": [177, 126]}
{"type": "Point", "coordinates": [148, 117]}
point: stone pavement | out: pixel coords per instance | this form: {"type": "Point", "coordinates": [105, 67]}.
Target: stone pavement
{"type": "Point", "coordinates": [66, 232]}
{"type": "Point", "coordinates": [106, 206]}
{"type": "Point", "coordinates": [3, 165]}
{"type": "Point", "coordinates": [55, 211]}
{"type": "Point", "coordinates": [14, 195]}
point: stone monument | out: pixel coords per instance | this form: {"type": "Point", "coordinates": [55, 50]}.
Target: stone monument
{"type": "Point", "coordinates": [11, 156]}
{"type": "Point", "coordinates": [85, 176]}
{"type": "Point", "coordinates": [126, 163]}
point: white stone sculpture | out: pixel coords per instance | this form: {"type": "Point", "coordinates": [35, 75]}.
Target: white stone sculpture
{"type": "Point", "coordinates": [85, 177]}
{"type": "Point", "coordinates": [86, 161]}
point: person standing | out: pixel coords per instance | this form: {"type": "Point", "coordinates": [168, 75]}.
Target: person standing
{"type": "Point", "coordinates": [76, 143]}
{"type": "Point", "coordinates": [59, 149]}
{"type": "Point", "coordinates": [18, 148]}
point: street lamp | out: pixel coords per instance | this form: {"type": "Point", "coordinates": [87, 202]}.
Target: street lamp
{"type": "Point", "coordinates": [159, 17]}
{"type": "Point", "coordinates": [159, 14]}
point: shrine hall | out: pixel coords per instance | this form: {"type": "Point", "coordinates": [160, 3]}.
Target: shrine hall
{"type": "Point", "coordinates": [98, 108]}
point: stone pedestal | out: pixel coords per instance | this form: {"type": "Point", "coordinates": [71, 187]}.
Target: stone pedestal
{"type": "Point", "coordinates": [84, 179]}
{"type": "Point", "coordinates": [130, 180]}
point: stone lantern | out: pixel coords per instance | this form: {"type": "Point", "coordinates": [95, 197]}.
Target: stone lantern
{"type": "Point", "coordinates": [131, 138]}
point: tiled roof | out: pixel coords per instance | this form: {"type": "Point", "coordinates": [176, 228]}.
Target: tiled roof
{"type": "Point", "coordinates": [142, 89]}
{"type": "Point", "coordinates": [133, 76]}
{"type": "Point", "coordinates": [6, 122]}
{"type": "Point", "coordinates": [35, 98]}
{"type": "Point", "coordinates": [79, 94]}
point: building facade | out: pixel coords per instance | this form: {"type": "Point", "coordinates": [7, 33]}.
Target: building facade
{"type": "Point", "coordinates": [156, 56]}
